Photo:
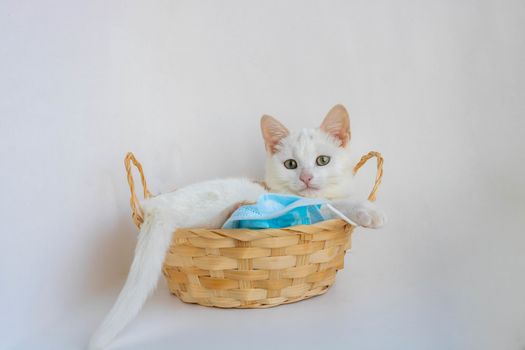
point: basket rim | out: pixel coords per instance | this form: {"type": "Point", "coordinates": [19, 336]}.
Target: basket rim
{"type": "Point", "coordinates": [137, 213]}
{"type": "Point", "coordinates": [320, 224]}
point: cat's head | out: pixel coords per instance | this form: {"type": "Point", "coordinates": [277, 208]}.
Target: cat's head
{"type": "Point", "coordinates": [310, 162]}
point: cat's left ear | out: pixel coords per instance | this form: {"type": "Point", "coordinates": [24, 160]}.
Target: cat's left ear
{"type": "Point", "coordinates": [337, 124]}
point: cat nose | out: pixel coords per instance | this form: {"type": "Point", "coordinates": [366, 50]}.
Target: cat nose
{"type": "Point", "coordinates": [306, 177]}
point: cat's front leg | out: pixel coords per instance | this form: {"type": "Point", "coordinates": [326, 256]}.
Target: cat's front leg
{"type": "Point", "coordinates": [362, 212]}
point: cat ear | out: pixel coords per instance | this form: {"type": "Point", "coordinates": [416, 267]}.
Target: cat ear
{"type": "Point", "coordinates": [337, 124]}
{"type": "Point", "coordinates": [273, 132]}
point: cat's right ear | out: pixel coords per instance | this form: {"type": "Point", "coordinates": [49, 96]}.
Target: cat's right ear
{"type": "Point", "coordinates": [273, 132]}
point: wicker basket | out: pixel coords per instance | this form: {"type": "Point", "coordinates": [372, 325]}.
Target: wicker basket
{"type": "Point", "coordinates": [240, 268]}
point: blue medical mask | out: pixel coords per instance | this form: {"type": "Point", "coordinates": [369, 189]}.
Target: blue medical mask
{"type": "Point", "coordinates": [277, 211]}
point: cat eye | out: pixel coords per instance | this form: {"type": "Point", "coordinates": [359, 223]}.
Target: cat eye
{"type": "Point", "coordinates": [322, 160]}
{"type": "Point", "coordinates": [290, 164]}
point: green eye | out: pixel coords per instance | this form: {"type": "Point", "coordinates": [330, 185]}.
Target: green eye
{"type": "Point", "coordinates": [322, 160]}
{"type": "Point", "coordinates": [290, 164]}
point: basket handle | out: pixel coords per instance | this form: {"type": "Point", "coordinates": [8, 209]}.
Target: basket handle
{"type": "Point", "coordinates": [379, 174]}
{"type": "Point", "coordinates": [136, 210]}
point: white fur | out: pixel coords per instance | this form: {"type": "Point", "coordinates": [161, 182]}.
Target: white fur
{"type": "Point", "coordinates": [208, 204]}
{"type": "Point", "coordinates": [333, 180]}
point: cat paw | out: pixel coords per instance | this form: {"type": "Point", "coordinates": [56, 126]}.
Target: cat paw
{"type": "Point", "coordinates": [369, 217]}
{"type": "Point", "coordinates": [362, 213]}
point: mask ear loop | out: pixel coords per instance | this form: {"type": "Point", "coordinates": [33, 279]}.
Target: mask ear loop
{"type": "Point", "coordinates": [341, 215]}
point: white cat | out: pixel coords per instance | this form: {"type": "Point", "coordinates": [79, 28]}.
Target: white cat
{"type": "Point", "coordinates": [309, 163]}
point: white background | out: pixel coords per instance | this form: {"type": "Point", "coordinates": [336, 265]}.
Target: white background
{"type": "Point", "coordinates": [437, 86]}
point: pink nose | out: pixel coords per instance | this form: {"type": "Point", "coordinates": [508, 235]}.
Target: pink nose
{"type": "Point", "coordinates": [306, 178]}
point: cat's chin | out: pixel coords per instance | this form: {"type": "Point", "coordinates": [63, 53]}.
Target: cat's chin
{"type": "Point", "coordinates": [310, 192]}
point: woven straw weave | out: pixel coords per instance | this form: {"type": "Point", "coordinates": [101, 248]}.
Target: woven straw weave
{"type": "Point", "coordinates": [241, 268]}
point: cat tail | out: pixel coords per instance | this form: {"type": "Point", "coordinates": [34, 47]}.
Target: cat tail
{"type": "Point", "coordinates": [153, 242]}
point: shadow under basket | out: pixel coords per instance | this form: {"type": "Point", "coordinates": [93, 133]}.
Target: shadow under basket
{"type": "Point", "coordinates": [243, 268]}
